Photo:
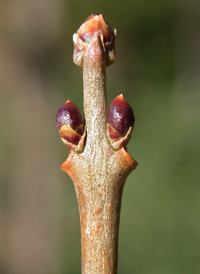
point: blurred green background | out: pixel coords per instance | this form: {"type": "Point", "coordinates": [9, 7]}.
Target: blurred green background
{"type": "Point", "coordinates": [157, 69]}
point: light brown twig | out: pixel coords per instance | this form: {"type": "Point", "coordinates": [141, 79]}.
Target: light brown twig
{"type": "Point", "coordinates": [99, 172]}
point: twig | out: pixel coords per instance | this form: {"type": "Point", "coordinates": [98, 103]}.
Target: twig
{"type": "Point", "coordinates": [98, 162]}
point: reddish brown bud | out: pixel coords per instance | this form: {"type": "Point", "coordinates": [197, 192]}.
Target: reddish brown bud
{"type": "Point", "coordinates": [94, 27]}
{"type": "Point", "coordinates": [95, 22]}
{"type": "Point", "coordinates": [69, 123]}
{"type": "Point", "coordinates": [120, 118]}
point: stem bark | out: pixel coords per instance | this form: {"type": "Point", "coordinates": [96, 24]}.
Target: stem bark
{"type": "Point", "coordinates": [99, 172]}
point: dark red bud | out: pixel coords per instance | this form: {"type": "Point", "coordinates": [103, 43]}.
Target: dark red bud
{"type": "Point", "coordinates": [120, 117]}
{"type": "Point", "coordinates": [95, 22]}
{"type": "Point", "coordinates": [69, 122]}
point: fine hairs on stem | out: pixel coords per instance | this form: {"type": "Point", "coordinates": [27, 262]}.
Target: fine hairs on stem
{"type": "Point", "coordinates": [98, 162]}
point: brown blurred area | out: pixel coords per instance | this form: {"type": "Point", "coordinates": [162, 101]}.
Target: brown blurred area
{"type": "Point", "coordinates": [30, 188]}
{"type": "Point", "coordinates": [157, 69]}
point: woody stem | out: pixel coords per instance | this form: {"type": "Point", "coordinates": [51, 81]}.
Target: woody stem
{"type": "Point", "coordinates": [99, 210]}
{"type": "Point", "coordinates": [94, 90]}
{"type": "Point", "coordinates": [99, 172]}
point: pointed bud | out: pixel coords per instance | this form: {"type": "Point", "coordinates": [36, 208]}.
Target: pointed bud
{"type": "Point", "coordinates": [120, 121]}
{"type": "Point", "coordinates": [95, 22]}
{"type": "Point", "coordinates": [69, 123]}
{"type": "Point", "coordinates": [94, 25]}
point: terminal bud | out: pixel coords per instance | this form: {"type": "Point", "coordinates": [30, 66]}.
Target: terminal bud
{"type": "Point", "coordinates": [120, 122]}
{"type": "Point", "coordinates": [95, 22]}
{"type": "Point", "coordinates": [94, 25]}
{"type": "Point", "coordinates": [70, 125]}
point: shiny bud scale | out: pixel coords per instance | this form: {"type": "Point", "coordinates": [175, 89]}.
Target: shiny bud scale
{"type": "Point", "coordinates": [94, 22]}
{"type": "Point", "coordinates": [69, 123]}
{"type": "Point", "coordinates": [120, 118]}
{"type": "Point", "coordinates": [93, 30]}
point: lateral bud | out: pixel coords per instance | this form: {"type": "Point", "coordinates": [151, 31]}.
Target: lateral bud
{"type": "Point", "coordinates": [70, 125]}
{"type": "Point", "coordinates": [120, 122]}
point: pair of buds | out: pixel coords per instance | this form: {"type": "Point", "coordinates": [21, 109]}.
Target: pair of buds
{"type": "Point", "coordinates": [72, 131]}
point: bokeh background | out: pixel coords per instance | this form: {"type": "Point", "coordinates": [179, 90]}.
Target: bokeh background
{"type": "Point", "coordinates": [157, 69]}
